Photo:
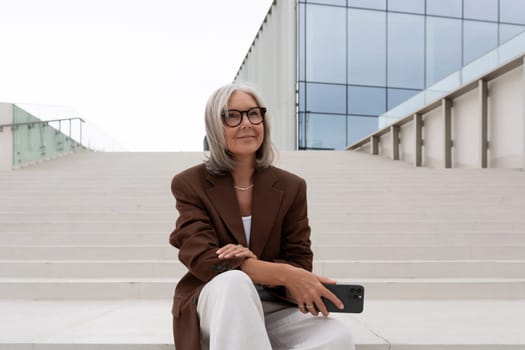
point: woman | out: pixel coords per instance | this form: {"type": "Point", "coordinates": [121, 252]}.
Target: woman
{"type": "Point", "coordinates": [244, 236]}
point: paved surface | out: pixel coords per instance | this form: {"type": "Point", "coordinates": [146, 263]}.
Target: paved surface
{"type": "Point", "coordinates": [385, 324]}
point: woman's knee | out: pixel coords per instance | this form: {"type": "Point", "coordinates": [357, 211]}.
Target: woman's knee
{"type": "Point", "coordinates": [234, 277]}
{"type": "Point", "coordinates": [233, 281]}
{"type": "Point", "coordinates": [230, 290]}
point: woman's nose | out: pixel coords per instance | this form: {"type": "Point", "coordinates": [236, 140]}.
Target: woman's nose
{"type": "Point", "coordinates": [244, 119]}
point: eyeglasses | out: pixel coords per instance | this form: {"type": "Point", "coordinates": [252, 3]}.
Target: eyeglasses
{"type": "Point", "coordinates": [233, 117]}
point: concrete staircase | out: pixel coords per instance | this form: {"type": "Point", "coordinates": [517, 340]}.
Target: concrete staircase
{"type": "Point", "coordinates": [85, 261]}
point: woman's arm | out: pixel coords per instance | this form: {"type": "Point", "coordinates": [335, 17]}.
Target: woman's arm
{"type": "Point", "coordinates": [303, 287]}
{"type": "Point", "coordinates": [195, 236]}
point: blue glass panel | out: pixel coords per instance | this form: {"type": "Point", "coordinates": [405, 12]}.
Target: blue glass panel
{"type": "Point", "coordinates": [398, 96]}
{"type": "Point", "coordinates": [301, 134]}
{"type": "Point", "coordinates": [412, 6]}
{"type": "Point", "coordinates": [406, 51]}
{"type": "Point", "coordinates": [302, 97]}
{"type": "Point", "coordinates": [301, 42]}
{"type": "Point", "coordinates": [329, 2]}
{"type": "Point", "coordinates": [326, 44]}
{"type": "Point", "coordinates": [325, 131]}
{"type": "Point", "coordinates": [366, 100]}
{"type": "Point", "coordinates": [481, 9]}
{"type": "Point", "coordinates": [450, 8]}
{"type": "Point", "coordinates": [369, 4]}
{"type": "Point", "coordinates": [326, 98]}
{"type": "Point", "coordinates": [366, 47]}
{"type": "Point", "coordinates": [509, 31]}
{"type": "Point", "coordinates": [479, 38]}
{"type": "Point", "coordinates": [443, 48]}
{"type": "Point", "coordinates": [512, 11]}
{"type": "Point", "coordinates": [360, 127]}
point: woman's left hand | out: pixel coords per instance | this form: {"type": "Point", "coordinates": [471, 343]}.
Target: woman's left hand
{"type": "Point", "coordinates": [235, 251]}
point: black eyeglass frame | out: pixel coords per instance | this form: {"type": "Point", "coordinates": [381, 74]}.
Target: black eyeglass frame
{"type": "Point", "coordinates": [262, 110]}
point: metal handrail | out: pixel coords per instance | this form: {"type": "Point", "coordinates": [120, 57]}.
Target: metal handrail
{"type": "Point", "coordinates": [45, 122]}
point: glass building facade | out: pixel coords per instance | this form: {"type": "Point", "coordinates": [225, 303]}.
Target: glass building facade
{"type": "Point", "coordinates": [359, 58]}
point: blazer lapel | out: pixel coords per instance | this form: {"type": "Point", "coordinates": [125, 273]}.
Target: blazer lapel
{"type": "Point", "coordinates": [265, 207]}
{"type": "Point", "coordinates": [225, 202]}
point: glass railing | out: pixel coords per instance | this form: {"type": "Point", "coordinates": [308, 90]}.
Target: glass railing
{"type": "Point", "coordinates": [34, 140]}
{"type": "Point", "coordinates": [488, 62]}
{"type": "Point", "coordinates": [45, 132]}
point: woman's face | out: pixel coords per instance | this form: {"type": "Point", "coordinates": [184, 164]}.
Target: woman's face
{"type": "Point", "coordinates": [245, 139]}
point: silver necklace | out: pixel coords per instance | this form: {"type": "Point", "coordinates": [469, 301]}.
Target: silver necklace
{"type": "Point", "coordinates": [239, 188]}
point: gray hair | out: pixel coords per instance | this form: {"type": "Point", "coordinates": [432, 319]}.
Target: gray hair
{"type": "Point", "coordinates": [220, 160]}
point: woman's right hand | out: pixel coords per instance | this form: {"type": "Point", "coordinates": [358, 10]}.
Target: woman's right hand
{"type": "Point", "coordinates": [235, 251]}
{"type": "Point", "coordinates": [306, 289]}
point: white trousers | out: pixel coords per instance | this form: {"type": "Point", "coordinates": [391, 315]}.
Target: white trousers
{"type": "Point", "coordinates": [232, 317]}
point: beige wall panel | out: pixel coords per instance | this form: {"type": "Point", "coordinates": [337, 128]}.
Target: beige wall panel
{"type": "Point", "coordinates": [406, 148]}
{"type": "Point", "coordinates": [466, 131]}
{"type": "Point", "coordinates": [6, 137]}
{"type": "Point", "coordinates": [433, 144]}
{"type": "Point", "coordinates": [506, 111]}
{"type": "Point", "coordinates": [270, 67]}
{"type": "Point", "coordinates": [385, 145]}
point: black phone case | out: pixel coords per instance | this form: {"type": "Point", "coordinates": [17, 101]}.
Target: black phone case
{"type": "Point", "coordinates": [352, 296]}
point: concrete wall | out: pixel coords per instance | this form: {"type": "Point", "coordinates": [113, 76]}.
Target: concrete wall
{"type": "Point", "coordinates": [6, 137]}
{"type": "Point", "coordinates": [385, 145]}
{"type": "Point", "coordinates": [466, 131]}
{"type": "Point", "coordinates": [406, 147]}
{"type": "Point", "coordinates": [270, 66]}
{"type": "Point", "coordinates": [506, 114]}
{"type": "Point", "coordinates": [433, 149]}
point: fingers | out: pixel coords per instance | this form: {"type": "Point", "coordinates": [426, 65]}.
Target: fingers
{"type": "Point", "coordinates": [334, 299]}
{"type": "Point", "coordinates": [234, 250]}
{"type": "Point", "coordinates": [303, 308]}
{"type": "Point", "coordinates": [328, 294]}
{"type": "Point", "coordinates": [321, 307]}
{"type": "Point", "coordinates": [326, 280]}
{"type": "Point", "coordinates": [229, 250]}
{"type": "Point", "coordinates": [314, 308]}
{"type": "Point", "coordinates": [309, 292]}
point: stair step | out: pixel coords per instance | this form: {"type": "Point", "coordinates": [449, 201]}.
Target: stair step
{"type": "Point", "coordinates": [87, 288]}
{"type": "Point", "coordinates": [321, 252]}
{"type": "Point", "coordinates": [87, 252]}
{"type": "Point", "coordinates": [330, 268]}
{"type": "Point", "coordinates": [144, 324]}
{"type": "Point", "coordinates": [88, 237]}
{"type": "Point", "coordinates": [159, 288]}
{"type": "Point", "coordinates": [164, 215]}
{"type": "Point", "coordinates": [83, 238]}
{"type": "Point", "coordinates": [325, 238]}
{"type": "Point", "coordinates": [420, 252]}
{"type": "Point", "coordinates": [393, 227]}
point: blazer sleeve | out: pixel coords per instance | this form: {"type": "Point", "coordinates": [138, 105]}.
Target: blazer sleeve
{"type": "Point", "coordinates": [195, 236]}
{"type": "Point", "coordinates": [295, 235]}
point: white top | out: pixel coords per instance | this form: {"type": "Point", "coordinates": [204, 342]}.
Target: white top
{"type": "Point", "coordinates": [247, 223]}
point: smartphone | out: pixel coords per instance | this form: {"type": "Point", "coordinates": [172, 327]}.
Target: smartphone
{"type": "Point", "coordinates": [352, 296]}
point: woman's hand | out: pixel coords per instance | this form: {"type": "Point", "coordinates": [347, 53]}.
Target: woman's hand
{"type": "Point", "coordinates": [307, 289]}
{"type": "Point", "coordinates": [235, 251]}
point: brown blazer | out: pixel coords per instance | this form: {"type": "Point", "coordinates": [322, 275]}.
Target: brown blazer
{"type": "Point", "coordinates": [209, 218]}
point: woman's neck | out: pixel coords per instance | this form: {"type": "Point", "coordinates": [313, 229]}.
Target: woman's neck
{"type": "Point", "coordinates": [243, 172]}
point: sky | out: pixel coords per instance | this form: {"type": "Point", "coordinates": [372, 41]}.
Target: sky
{"type": "Point", "coordinates": [140, 71]}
